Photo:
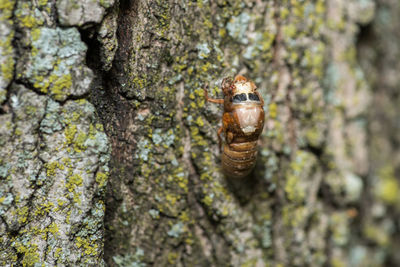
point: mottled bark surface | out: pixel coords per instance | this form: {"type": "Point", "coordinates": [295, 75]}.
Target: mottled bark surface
{"type": "Point", "coordinates": [324, 191]}
{"type": "Point", "coordinates": [54, 153]}
{"type": "Point", "coordinates": [168, 202]}
{"type": "Point", "coordinates": [378, 53]}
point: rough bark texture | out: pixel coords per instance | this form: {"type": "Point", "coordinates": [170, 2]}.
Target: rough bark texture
{"type": "Point", "coordinates": [324, 191]}
{"type": "Point", "coordinates": [53, 150]}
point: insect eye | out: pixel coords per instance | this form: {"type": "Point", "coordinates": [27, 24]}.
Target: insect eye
{"type": "Point", "coordinates": [239, 98]}
{"type": "Point", "coordinates": [254, 97]}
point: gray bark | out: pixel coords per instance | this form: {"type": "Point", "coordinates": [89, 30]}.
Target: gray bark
{"type": "Point", "coordinates": [54, 153]}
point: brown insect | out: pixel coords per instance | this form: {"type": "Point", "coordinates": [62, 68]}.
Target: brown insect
{"type": "Point", "coordinates": [242, 124]}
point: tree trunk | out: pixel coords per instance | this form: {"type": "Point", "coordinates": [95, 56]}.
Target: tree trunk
{"type": "Point", "coordinates": [103, 121]}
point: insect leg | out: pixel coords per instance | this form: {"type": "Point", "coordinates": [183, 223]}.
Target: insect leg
{"type": "Point", "coordinates": [219, 136]}
{"type": "Point", "coordinates": [212, 100]}
{"type": "Point", "coordinates": [229, 137]}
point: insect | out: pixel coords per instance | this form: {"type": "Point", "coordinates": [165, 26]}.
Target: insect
{"type": "Point", "coordinates": [242, 124]}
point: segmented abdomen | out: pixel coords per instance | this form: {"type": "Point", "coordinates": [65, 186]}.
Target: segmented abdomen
{"type": "Point", "coordinates": [238, 159]}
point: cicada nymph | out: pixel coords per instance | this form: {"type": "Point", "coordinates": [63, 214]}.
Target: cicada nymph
{"type": "Point", "coordinates": [242, 124]}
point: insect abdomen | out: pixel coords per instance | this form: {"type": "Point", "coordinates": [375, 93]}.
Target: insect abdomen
{"type": "Point", "coordinates": [238, 159]}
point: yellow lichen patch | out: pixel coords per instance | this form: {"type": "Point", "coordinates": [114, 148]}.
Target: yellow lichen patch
{"type": "Point", "coordinates": [53, 228]}
{"type": "Point", "coordinates": [22, 214]}
{"type": "Point", "coordinates": [7, 68]}
{"type": "Point", "coordinates": [58, 253]}
{"type": "Point", "coordinates": [29, 252]}
{"type": "Point", "coordinates": [145, 170]}
{"type": "Point", "coordinates": [320, 7]}
{"type": "Point", "coordinates": [75, 116]}
{"type": "Point", "coordinates": [35, 34]}
{"type": "Point", "coordinates": [25, 15]}
{"type": "Point", "coordinates": [18, 132]}
{"type": "Point", "coordinates": [222, 32]}
{"type": "Point", "coordinates": [294, 192]}
{"type": "Point", "coordinates": [79, 142]}
{"type": "Point", "coordinates": [208, 24]}
{"type": "Point", "coordinates": [249, 263]}
{"type": "Point", "coordinates": [272, 110]}
{"type": "Point", "coordinates": [89, 247]}
{"type": "Point", "coordinates": [7, 5]}
{"type": "Point", "coordinates": [31, 110]}
{"type": "Point", "coordinates": [60, 205]}
{"type": "Point", "coordinates": [43, 208]}
{"type": "Point", "coordinates": [299, 170]}
{"type": "Point", "coordinates": [336, 262]}
{"type": "Point", "coordinates": [313, 136]}
{"type": "Point", "coordinates": [388, 186]}
{"type": "Point", "coordinates": [205, 67]}
{"type": "Point", "coordinates": [101, 178]}
{"type": "Point", "coordinates": [376, 234]}
{"type": "Point", "coordinates": [51, 168]}
{"type": "Point", "coordinates": [206, 177]}
{"type": "Point", "coordinates": [139, 83]}
{"type": "Point", "coordinates": [171, 198]}
{"type": "Point", "coordinates": [99, 127]}
{"type": "Point", "coordinates": [59, 85]}
{"type": "Point", "coordinates": [70, 132]}
{"type": "Point", "coordinates": [67, 162]}
{"type": "Point", "coordinates": [74, 181]}
{"type": "Point", "coordinates": [225, 210]}
{"type": "Point", "coordinates": [199, 121]}
{"type": "Point", "coordinates": [184, 216]}
{"type": "Point", "coordinates": [28, 21]}
{"type": "Point", "coordinates": [77, 200]}
{"type": "Point", "coordinates": [172, 256]}
{"type": "Point", "coordinates": [207, 200]}
{"type": "Point", "coordinates": [42, 2]}
{"type": "Point", "coordinates": [289, 30]}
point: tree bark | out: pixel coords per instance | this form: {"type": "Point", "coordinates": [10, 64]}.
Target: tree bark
{"type": "Point", "coordinates": [103, 121]}
{"type": "Point", "coordinates": [54, 153]}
